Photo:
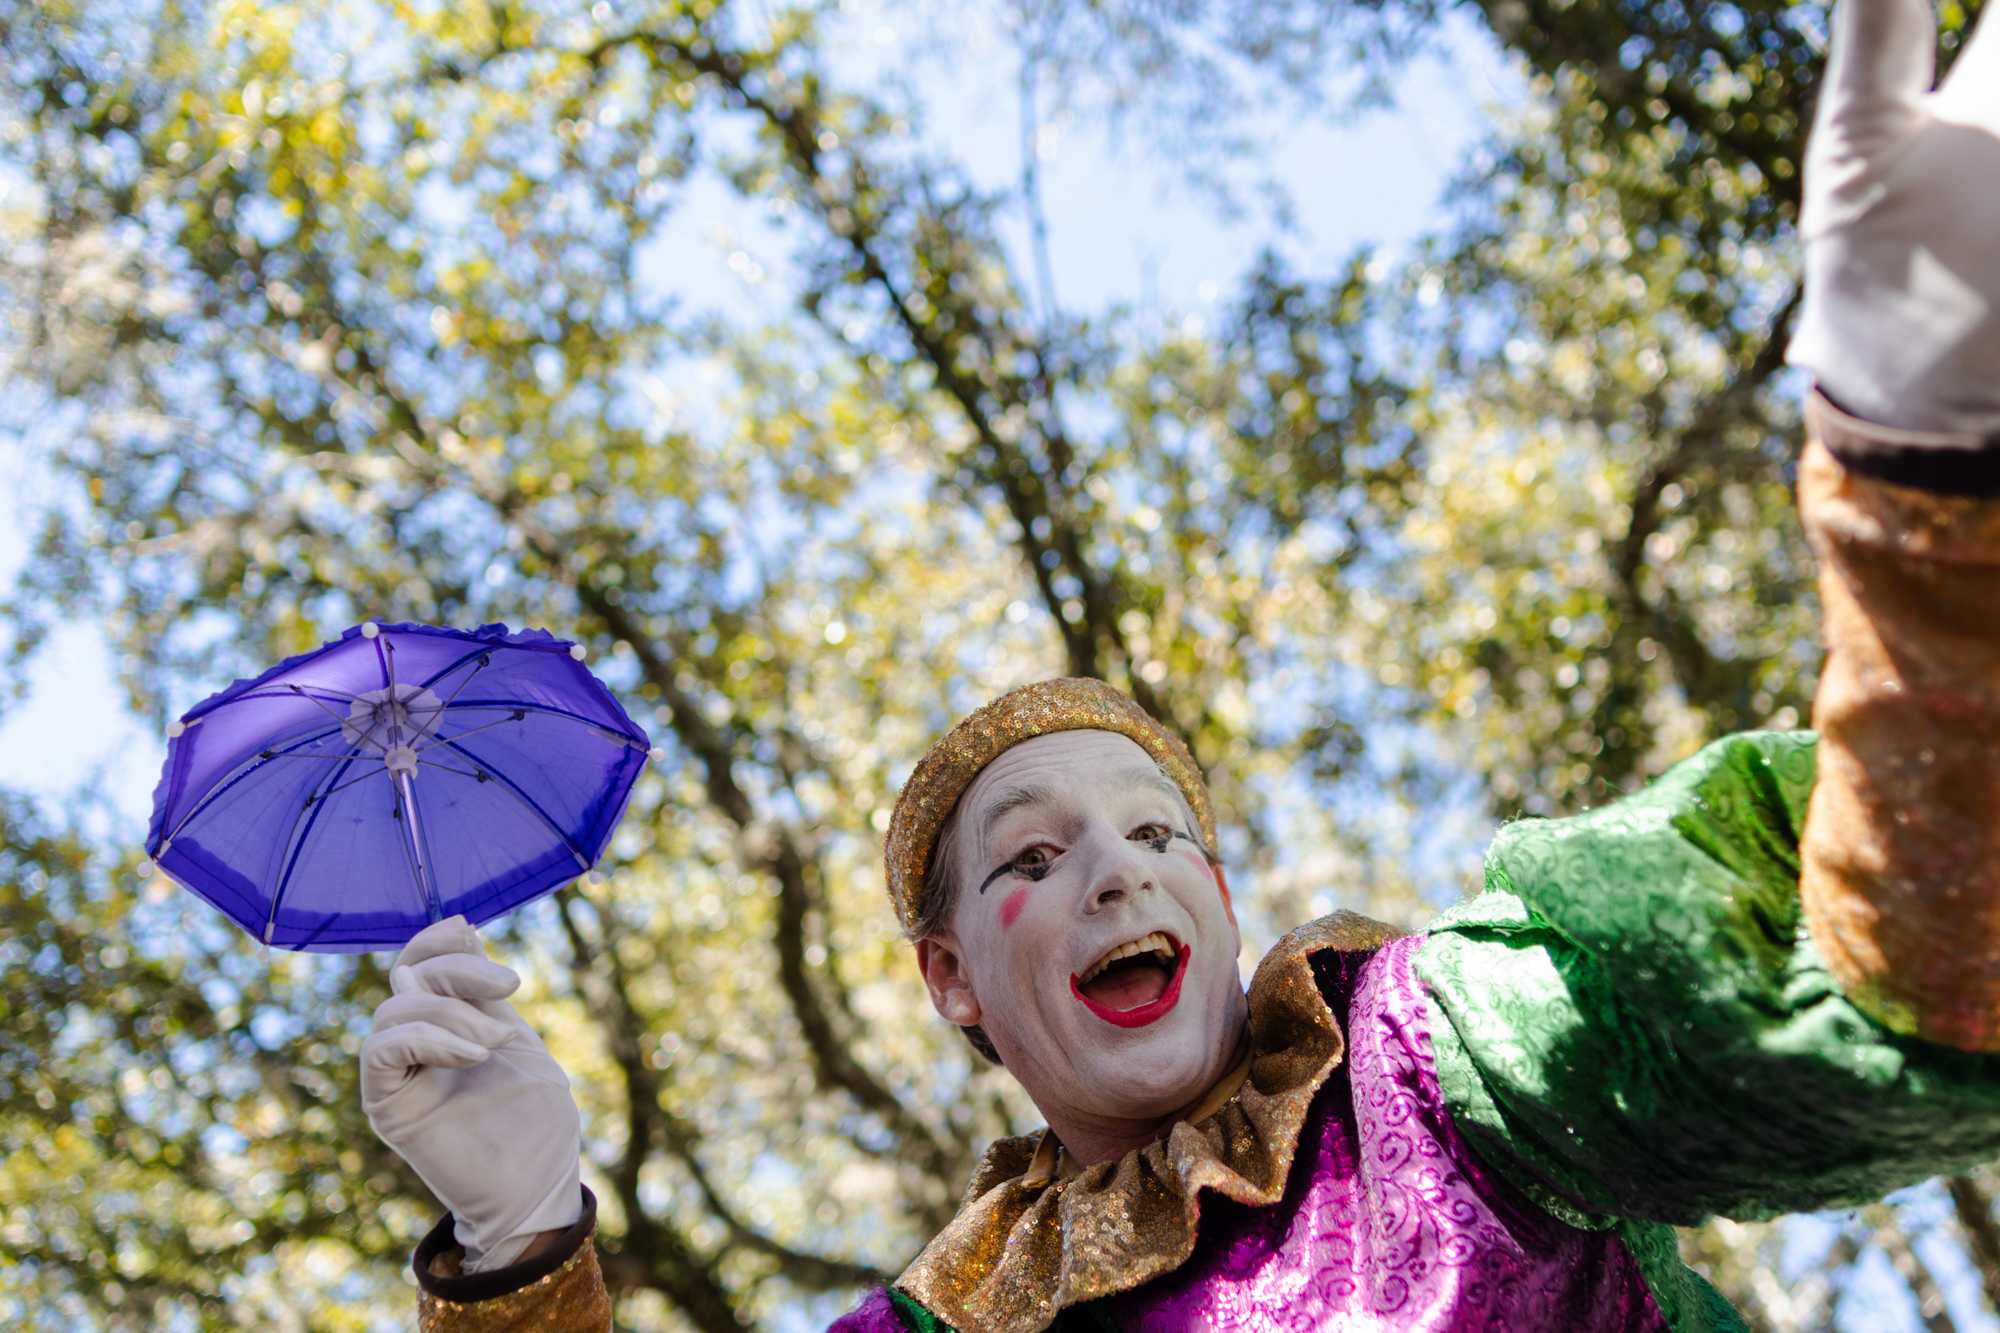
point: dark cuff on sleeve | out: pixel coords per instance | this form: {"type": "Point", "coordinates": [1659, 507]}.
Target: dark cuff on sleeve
{"type": "Point", "coordinates": [1942, 462]}
{"type": "Point", "coordinates": [469, 1287]}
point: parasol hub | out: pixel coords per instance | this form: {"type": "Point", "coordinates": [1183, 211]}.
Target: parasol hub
{"type": "Point", "coordinates": [394, 715]}
{"type": "Point", "coordinates": [401, 760]}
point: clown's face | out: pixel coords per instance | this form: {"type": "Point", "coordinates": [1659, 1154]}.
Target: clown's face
{"type": "Point", "coordinates": [1091, 938]}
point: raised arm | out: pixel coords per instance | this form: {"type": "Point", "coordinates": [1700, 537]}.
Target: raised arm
{"type": "Point", "coordinates": [460, 1086]}
{"type": "Point", "coordinates": [1770, 981]}
{"type": "Point", "coordinates": [1901, 876]}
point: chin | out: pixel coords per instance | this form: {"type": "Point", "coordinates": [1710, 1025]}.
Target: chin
{"type": "Point", "coordinates": [1162, 1093]}
{"type": "Point", "coordinates": [1158, 1070]}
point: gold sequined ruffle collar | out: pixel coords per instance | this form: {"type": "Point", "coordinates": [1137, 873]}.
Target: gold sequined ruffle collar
{"type": "Point", "coordinates": [1020, 1252]}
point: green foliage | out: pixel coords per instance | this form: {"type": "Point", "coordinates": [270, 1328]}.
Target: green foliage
{"type": "Point", "coordinates": [338, 308]}
{"type": "Point", "coordinates": [174, 1134]}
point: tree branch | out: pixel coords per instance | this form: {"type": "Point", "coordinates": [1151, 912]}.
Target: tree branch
{"type": "Point", "coordinates": [650, 1124]}
{"type": "Point", "coordinates": [1700, 674]}
{"type": "Point", "coordinates": [652, 1255]}
{"type": "Point", "coordinates": [774, 849]}
{"type": "Point", "coordinates": [1974, 1210]}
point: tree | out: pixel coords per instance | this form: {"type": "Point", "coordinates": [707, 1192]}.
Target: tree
{"type": "Point", "coordinates": [336, 312]}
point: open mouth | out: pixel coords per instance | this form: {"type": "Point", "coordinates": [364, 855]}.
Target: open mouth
{"type": "Point", "coordinates": [1135, 983]}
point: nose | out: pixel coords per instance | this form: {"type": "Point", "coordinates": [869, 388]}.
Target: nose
{"type": "Point", "coordinates": [1117, 876]}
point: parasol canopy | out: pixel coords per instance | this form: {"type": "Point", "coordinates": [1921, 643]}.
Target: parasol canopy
{"type": "Point", "coordinates": [352, 795]}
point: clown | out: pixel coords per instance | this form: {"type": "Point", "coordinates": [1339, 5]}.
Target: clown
{"type": "Point", "coordinates": [1768, 982]}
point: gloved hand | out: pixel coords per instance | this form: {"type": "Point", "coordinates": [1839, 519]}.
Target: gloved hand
{"type": "Point", "coordinates": [1901, 323]}
{"type": "Point", "coordinates": [465, 1092]}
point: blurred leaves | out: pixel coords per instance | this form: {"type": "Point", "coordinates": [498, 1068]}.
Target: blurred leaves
{"type": "Point", "coordinates": [342, 311]}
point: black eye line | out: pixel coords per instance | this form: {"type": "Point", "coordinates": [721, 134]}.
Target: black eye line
{"type": "Point", "coordinates": [1035, 874]}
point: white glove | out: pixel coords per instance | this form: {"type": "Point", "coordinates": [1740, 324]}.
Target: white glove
{"type": "Point", "coordinates": [465, 1092]}
{"type": "Point", "coordinates": [1901, 223]}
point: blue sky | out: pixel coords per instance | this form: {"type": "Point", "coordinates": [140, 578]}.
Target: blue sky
{"type": "Point", "coordinates": [1124, 229]}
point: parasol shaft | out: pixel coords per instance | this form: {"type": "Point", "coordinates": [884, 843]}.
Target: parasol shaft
{"type": "Point", "coordinates": [413, 841]}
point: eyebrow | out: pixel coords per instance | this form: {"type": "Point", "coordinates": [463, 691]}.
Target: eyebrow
{"type": "Point", "coordinates": [1036, 793]}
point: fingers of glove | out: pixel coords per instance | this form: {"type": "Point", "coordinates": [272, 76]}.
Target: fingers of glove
{"type": "Point", "coordinates": [459, 1017]}
{"type": "Point", "coordinates": [467, 976]}
{"type": "Point", "coordinates": [454, 934]}
{"type": "Point", "coordinates": [1971, 91]}
{"type": "Point", "coordinates": [390, 1053]}
{"type": "Point", "coordinates": [1879, 68]}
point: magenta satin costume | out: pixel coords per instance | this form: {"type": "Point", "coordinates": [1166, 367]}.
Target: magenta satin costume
{"type": "Point", "coordinates": [1388, 1217]}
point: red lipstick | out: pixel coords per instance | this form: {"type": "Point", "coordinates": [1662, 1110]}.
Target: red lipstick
{"type": "Point", "coordinates": [1149, 1012]}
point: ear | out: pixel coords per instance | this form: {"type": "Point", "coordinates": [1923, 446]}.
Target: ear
{"type": "Point", "coordinates": [947, 980]}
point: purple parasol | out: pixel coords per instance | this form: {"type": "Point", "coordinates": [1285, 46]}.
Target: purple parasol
{"type": "Point", "coordinates": [350, 796]}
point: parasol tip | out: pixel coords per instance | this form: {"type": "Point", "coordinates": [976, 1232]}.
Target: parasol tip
{"type": "Point", "coordinates": [175, 728]}
{"type": "Point", "coordinates": [656, 754]}
{"type": "Point", "coordinates": [576, 651]}
{"type": "Point", "coordinates": [145, 870]}
{"type": "Point", "coordinates": [369, 629]}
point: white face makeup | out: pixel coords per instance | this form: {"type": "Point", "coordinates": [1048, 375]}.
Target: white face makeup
{"type": "Point", "coordinates": [1090, 939]}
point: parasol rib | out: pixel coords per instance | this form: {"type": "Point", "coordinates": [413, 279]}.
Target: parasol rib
{"type": "Point", "coordinates": [228, 780]}
{"type": "Point", "coordinates": [609, 733]}
{"type": "Point", "coordinates": [295, 841]}
{"type": "Point", "coordinates": [435, 739]}
{"type": "Point", "coordinates": [323, 692]}
{"type": "Point", "coordinates": [525, 799]}
{"type": "Point", "coordinates": [483, 655]}
{"type": "Point", "coordinates": [301, 693]}
{"type": "Point", "coordinates": [317, 797]}
{"type": "Point", "coordinates": [483, 651]}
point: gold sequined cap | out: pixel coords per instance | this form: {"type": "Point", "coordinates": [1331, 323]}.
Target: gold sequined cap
{"type": "Point", "coordinates": [1068, 703]}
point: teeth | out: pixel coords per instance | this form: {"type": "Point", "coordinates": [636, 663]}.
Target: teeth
{"type": "Point", "coordinates": [1154, 943]}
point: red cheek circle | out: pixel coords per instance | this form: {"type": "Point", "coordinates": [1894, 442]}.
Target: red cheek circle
{"type": "Point", "coordinates": [1010, 910]}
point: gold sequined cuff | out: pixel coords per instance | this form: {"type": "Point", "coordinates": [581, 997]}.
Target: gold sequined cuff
{"type": "Point", "coordinates": [1900, 863]}
{"type": "Point", "coordinates": [1069, 703]}
{"type": "Point", "coordinates": [560, 1290]}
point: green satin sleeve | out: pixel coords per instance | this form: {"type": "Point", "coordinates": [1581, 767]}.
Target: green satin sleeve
{"type": "Point", "coordinates": [1077, 1319]}
{"type": "Point", "coordinates": [1633, 1022]}
{"type": "Point", "coordinates": [915, 1317]}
